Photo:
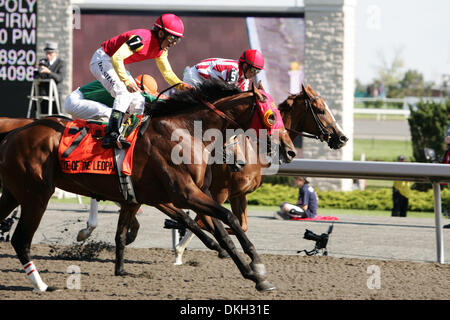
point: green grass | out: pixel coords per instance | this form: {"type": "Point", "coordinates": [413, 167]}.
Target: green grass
{"type": "Point", "coordinates": [362, 213]}
{"type": "Point", "coordinates": [322, 211]}
{"type": "Point", "coordinates": [85, 200]}
{"type": "Point", "coordinates": [381, 150]}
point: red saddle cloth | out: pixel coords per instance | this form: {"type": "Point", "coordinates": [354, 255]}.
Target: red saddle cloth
{"type": "Point", "coordinates": [80, 149]}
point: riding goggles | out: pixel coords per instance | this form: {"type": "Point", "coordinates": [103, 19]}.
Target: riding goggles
{"type": "Point", "coordinates": [254, 70]}
{"type": "Point", "coordinates": [172, 39]}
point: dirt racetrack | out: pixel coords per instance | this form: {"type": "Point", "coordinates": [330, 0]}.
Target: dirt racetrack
{"type": "Point", "coordinates": [204, 276]}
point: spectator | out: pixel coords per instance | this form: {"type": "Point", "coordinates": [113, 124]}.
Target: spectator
{"type": "Point", "coordinates": [50, 67]}
{"type": "Point", "coordinates": [307, 203]}
{"type": "Point", "coordinates": [400, 195]}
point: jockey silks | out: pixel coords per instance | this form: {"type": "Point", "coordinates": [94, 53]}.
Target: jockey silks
{"type": "Point", "coordinates": [150, 45]}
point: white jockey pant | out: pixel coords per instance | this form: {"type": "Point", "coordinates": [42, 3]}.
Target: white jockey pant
{"type": "Point", "coordinates": [192, 77]}
{"type": "Point", "coordinates": [103, 70]}
{"type": "Point", "coordinates": [81, 108]}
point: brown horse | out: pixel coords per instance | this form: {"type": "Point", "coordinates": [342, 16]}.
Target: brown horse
{"type": "Point", "coordinates": [307, 113]}
{"type": "Point", "coordinates": [30, 171]}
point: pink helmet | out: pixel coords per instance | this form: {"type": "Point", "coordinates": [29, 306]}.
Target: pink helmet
{"type": "Point", "coordinates": [254, 58]}
{"type": "Point", "coordinates": [171, 24]}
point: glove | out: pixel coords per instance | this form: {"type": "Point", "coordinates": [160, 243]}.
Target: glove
{"type": "Point", "coordinates": [184, 86]}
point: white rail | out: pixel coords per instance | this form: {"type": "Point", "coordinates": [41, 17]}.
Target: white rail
{"type": "Point", "coordinates": [406, 101]}
{"type": "Point", "coordinates": [418, 172]}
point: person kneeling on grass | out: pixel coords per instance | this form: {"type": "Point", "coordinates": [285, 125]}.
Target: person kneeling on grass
{"type": "Point", "coordinates": [307, 203]}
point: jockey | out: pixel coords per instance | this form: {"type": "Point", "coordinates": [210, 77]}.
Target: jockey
{"type": "Point", "coordinates": [107, 65]}
{"type": "Point", "coordinates": [92, 101]}
{"type": "Point", "coordinates": [237, 72]}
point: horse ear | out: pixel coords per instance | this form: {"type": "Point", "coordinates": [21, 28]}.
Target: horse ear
{"type": "Point", "coordinates": [258, 94]}
{"type": "Point", "coordinates": [303, 87]}
{"type": "Point", "coordinates": [306, 90]}
{"type": "Point", "coordinates": [260, 86]}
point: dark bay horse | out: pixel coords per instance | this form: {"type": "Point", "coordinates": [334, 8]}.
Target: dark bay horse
{"type": "Point", "coordinates": [30, 171]}
{"type": "Point", "coordinates": [302, 113]}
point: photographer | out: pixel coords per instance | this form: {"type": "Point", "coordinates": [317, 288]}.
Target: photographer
{"type": "Point", "coordinates": [50, 67]}
{"type": "Point", "coordinates": [307, 202]}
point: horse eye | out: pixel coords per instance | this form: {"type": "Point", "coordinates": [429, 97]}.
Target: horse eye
{"type": "Point", "coordinates": [321, 111]}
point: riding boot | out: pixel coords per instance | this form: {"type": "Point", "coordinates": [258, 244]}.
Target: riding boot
{"type": "Point", "coordinates": [112, 135]}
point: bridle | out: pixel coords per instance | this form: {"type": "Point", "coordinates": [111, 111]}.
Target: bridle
{"type": "Point", "coordinates": [325, 132]}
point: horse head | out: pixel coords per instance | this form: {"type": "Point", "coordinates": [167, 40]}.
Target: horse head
{"type": "Point", "coordinates": [286, 149]}
{"type": "Point", "coordinates": [308, 112]}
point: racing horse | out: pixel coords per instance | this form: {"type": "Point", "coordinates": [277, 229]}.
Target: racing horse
{"type": "Point", "coordinates": [30, 171]}
{"type": "Point", "coordinates": [306, 114]}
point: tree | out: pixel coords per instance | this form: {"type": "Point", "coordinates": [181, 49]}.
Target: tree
{"type": "Point", "coordinates": [413, 84]}
{"type": "Point", "coordinates": [427, 123]}
{"type": "Point", "coordinates": [390, 72]}
{"type": "Point", "coordinates": [360, 89]}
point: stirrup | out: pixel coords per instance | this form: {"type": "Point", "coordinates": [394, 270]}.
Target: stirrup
{"type": "Point", "coordinates": [117, 140]}
{"type": "Point", "coordinates": [122, 143]}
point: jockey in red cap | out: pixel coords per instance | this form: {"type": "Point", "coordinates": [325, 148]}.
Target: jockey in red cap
{"type": "Point", "coordinates": [108, 66]}
{"type": "Point", "coordinates": [237, 72]}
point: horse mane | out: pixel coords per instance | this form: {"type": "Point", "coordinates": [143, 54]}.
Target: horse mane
{"type": "Point", "coordinates": [181, 102]}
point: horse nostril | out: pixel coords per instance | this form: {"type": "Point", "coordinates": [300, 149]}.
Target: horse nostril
{"type": "Point", "coordinates": [291, 154]}
{"type": "Point", "coordinates": [343, 138]}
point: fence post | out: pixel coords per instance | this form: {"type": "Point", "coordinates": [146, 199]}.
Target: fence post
{"type": "Point", "coordinates": [438, 220]}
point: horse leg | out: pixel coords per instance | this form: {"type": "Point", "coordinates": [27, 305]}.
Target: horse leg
{"type": "Point", "coordinates": [31, 214]}
{"type": "Point", "coordinates": [183, 218]}
{"type": "Point", "coordinates": [204, 222]}
{"type": "Point", "coordinates": [126, 216]}
{"type": "Point", "coordinates": [256, 271]}
{"type": "Point", "coordinates": [85, 233]}
{"type": "Point", "coordinates": [7, 203]}
{"type": "Point", "coordinates": [133, 229]}
{"type": "Point", "coordinates": [181, 247]}
{"type": "Point", "coordinates": [239, 208]}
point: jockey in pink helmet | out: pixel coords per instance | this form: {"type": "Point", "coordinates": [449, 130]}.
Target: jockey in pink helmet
{"type": "Point", "coordinates": [237, 72]}
{"type": "Point", "coordinates": [252, 62]}
{"type": "Point", "coordinates": [108, 66]}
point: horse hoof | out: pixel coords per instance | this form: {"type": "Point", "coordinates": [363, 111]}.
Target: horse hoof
{"type": "Point", "coordinates": [83, 234]}
{"type": "Point", "coordinates": [121, 273]}
{"type": "Point", "coordinates": [223, 255]}
{"type": "Point", "coordinates": [265, 286]}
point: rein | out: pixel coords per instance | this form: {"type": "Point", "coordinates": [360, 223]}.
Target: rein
{"type": "Point", "coordinates": [222, 114]}
{"type": "Point", "coordinates": [218, 112]}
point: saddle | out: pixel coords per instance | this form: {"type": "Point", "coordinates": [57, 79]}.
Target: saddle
{"type": "Point", "coordinates": [80, 151]}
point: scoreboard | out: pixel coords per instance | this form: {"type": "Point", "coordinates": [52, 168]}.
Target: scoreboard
{"type": "Point", "coordinates": [18, 21]}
